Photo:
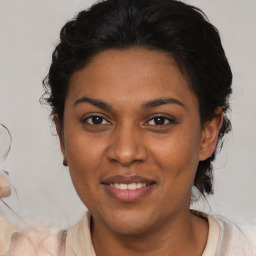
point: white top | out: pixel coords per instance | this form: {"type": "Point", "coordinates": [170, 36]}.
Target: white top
{"type": "Point", "coordinates": [224, 239]}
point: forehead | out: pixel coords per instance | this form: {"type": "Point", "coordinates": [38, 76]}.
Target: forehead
{"type": "Point", "coordinates": [128, 75]}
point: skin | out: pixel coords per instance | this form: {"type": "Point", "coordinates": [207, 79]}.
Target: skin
{"type": "Point", "coordinates": [5, 190]}
{"type": "Point", "coordinates": [127, 142]}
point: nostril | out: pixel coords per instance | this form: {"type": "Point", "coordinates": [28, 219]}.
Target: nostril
{"type": "Point", "coordinates": [126, 154]}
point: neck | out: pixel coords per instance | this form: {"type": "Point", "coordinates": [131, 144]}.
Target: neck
{"type": "Point", "coordinates": [184, 234]}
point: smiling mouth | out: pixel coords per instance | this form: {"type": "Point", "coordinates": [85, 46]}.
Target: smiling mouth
{"type": "Point", "coordinates": [128, 189]}
{"type": "Point", "coordinates": [130, 186]}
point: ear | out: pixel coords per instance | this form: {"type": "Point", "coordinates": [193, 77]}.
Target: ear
{"type": "Point", "coordinates": [209, 135]}
{"type": "Point", "coordinates": [59, 130]}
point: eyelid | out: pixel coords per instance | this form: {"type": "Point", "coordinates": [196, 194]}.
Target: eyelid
{"type": "Point", "coordinates": [171, 119]}
{"type": "Point", "coordinates": [90, 115]}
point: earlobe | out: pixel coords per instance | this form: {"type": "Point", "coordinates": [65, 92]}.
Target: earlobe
{"type": "Point", "coordinates": [209, 135]}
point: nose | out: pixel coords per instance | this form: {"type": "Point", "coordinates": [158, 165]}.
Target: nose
{"type": "Point", "coordinates": [127, 147]}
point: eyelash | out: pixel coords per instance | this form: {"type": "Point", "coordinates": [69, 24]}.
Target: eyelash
{"type": "Point", "coordinates": [166, 118]}
{"type": "Point", "coordinates": [85, 120]}
{"type": "Point", "coordinates": [106, 122]}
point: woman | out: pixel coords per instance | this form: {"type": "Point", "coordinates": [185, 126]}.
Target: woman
{"type": "Point", "coordinates": [139, 94]}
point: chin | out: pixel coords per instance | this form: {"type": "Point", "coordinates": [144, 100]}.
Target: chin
{"type": "Point", "coordinates": [130, 226]}
{"type": "Point", "coordinates": [128, 223]}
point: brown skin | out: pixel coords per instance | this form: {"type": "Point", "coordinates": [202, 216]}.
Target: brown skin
{"type": "Point", "coordinates": [128, 142]}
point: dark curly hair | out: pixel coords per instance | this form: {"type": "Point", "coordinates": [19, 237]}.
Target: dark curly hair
{"type": "Point", "coordinates": [166, 25]}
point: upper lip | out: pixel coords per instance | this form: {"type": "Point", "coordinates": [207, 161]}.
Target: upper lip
{"type": "Point", "coordinates": [127, 180]}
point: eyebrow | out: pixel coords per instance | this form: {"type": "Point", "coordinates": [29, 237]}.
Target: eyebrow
{"type": "Point", "coordinates": [94, 102]}
{"type": "Point", "coordinates": [149, 104]}
{"type": "Point", "coordinates": [158, 102]}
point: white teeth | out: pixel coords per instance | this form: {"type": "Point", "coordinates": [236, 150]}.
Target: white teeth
{"type": "Point", "coordinates": [139, 185]}
{"type": "Point", "coordinates": [123, 186]}
{"type": "Point", "coordinates": [131, 186]}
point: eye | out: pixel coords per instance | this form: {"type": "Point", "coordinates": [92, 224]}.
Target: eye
{"type": "Point", "coordinates": [96, 120]}
{"type": "Point", "coordinates": [160, 120]}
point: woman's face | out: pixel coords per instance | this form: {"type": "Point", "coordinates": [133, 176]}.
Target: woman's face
{"type": "Point", "coordinates": [132, 139]}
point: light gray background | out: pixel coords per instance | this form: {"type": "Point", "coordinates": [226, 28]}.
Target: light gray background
{"type": "Point", "coordinates": [28, 33]}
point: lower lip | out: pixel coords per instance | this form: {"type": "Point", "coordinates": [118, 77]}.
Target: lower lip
{"type": "Point", "coordinates": [128, 195]}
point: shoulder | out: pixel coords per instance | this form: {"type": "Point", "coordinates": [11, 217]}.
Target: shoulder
{"type": "Point", "coordinates": [236, 238]}
{"type": "Point", "coordinates": [30, 241]}
{"type": "Point", "coordinates": [6, 232]}
{"type": "Point", "coordinates": [78, 240]}
{"type": "Point", "coordinates": [227, 238]}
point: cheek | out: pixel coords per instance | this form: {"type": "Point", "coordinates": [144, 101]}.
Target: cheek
{"type": "Point", "coordinates": [85, 179]}
{"type": "Point", "coordinates": [84, 157]}
{"type": "Point", "coordinates": [177, 156]}
{"type": "Point", "coordinates": [83, 151]}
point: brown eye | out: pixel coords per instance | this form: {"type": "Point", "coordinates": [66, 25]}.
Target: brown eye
{"type": "Point", "coordinates": [96, 120]}
{"type": "Point", "coordinates": [160, 120]}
